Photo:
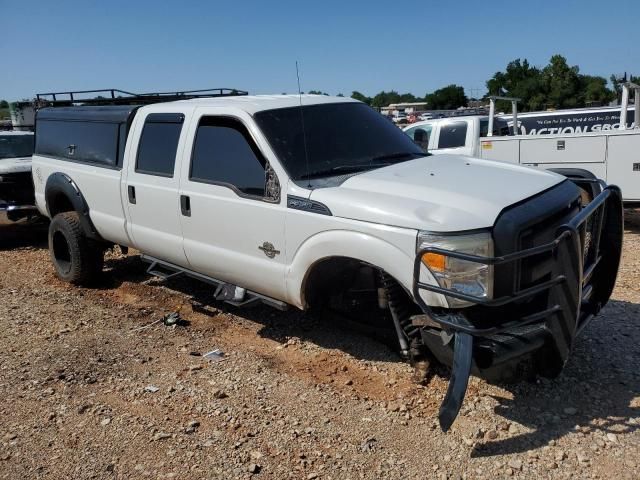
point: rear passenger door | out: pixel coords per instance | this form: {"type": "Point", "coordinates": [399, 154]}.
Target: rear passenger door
{"type": "Point", "coordinates": [233, 225]}
{"type": "Point", "coordinates": [151, 186]}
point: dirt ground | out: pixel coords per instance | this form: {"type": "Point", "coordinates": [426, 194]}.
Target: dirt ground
{"type": "Point", "coordinates": [91, 387]}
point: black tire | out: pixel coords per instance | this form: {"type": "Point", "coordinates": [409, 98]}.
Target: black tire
{"type": "Point", "coordinates": [76, 258]}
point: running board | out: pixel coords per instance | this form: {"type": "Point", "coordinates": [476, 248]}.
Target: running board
{"type": "Point", "coordinates": [231, 294]}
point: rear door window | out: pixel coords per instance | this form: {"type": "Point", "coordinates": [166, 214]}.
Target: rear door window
{"type": "Point", "coordinates": [452, 135]}
{"type": "Point", "coordinates": [159, 144]}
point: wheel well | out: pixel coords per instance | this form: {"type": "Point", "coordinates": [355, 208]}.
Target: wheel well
{"type": "Point", "coordinates": [358, 294]}
{"type": "Point", "coordinates": [329, 274]}
{"type": "Point", "coordinates": [584, 179]}
{"type": "Point", "coordinates": [59, 203]}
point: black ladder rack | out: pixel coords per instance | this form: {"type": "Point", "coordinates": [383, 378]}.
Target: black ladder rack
{"type": "Point", "coordinates": [113, 96]}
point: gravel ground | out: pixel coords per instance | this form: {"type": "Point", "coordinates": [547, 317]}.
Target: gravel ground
{"type": "Point", "coordinates": [92, 388]}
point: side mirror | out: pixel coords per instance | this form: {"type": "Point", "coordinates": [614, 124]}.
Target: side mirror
{"type": "Point", "coordinates": [272, 185]}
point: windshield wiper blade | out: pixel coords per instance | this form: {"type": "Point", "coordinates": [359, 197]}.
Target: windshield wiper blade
{"type": "Point", "coordinates": [393, 156]}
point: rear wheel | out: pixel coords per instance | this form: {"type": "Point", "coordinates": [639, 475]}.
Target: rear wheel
{"type": "Point", "coordinates": [76, 258]}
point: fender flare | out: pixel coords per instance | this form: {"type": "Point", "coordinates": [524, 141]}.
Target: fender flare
{"type": "Point", "coordinates": [359, 246]}
{"type": "Point", "coordinates": [61, 184]}
{"type": "Point", "coordinates": [582, 178]}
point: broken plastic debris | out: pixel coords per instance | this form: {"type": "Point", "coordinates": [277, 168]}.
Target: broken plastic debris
{"type": "Point", "coordinates": [151, 389]}
{"type": "Point", "coordinates": [171, 319]}
{"type": "Point", "coordinates": [214, 355]}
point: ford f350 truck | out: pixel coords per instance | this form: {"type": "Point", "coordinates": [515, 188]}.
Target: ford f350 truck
{"type": "Point", "coordinates": [320, 202]}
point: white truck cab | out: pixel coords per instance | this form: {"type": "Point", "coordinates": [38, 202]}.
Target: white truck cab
{"type": "Point", "coordinates": [320, 202]}
{"type": "Point", "coordinates": [458, 135]}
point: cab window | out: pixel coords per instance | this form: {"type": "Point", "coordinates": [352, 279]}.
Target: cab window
{"type": "Point", "coordinates": [225, 154]}
{"type": "Point", "coordinates": [500, 128]}
{"type": "Point", "coordinates": [420, 135]}
{"type": "Point", "coordinates": [452, 135]}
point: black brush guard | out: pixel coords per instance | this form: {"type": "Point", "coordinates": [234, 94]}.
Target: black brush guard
{"type": "Point", "coordinates": [586, 254]}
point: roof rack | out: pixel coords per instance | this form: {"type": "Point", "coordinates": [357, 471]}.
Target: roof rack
{"type": "Point", "coordinates": [113, 96]}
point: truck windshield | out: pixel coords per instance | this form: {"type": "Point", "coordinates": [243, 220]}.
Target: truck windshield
{"type": "Point", "coordinates": [340, 138]}
{"type": "Point", "coordinates": [12, 146]}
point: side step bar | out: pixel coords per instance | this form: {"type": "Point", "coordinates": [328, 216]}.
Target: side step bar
{"type": "Point", "coordinates": [10, 207]}
{"type": "Point", "coordinates": [231, 294]}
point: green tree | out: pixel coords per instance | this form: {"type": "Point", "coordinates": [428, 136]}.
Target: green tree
{"type": "Point", "coordinates": [361, 97]}
{"type": "Point", "coordinates": [617, 83]}
{"type": "Point", "coordinates": [594, 90]}
{"type": "Point", "coordinates": [4, 104]}
{"type": "Point", "coordinates": [317, 92]}
{"type": "Point", "coordinates": [562, 83]}
{"type": "Point", "coordinates": [383, 98]}
{"type": "Point", "coordinates": [519, 80]}
{"type": "Point", "coordinates": [557, 85]}
{"type": "Point", "coordinates": [447, 98]}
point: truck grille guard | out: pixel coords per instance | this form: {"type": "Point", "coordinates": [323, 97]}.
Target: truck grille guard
{"type": "Point", "coordinates": [590, 242]}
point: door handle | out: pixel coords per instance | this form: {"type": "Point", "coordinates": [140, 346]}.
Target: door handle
{"type": "Point", "coordinates": [132, 194]}
{"type": "Point", "coordinates": [185, 205]}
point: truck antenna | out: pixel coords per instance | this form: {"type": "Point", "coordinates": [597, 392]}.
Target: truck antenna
{"type": "Point", "coordinates": [304, 133]}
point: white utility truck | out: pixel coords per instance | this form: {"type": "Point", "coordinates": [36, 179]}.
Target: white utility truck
{"type": "Point", "coordinates": [321, 202]}
{"type": "Point", "coordinates": [16, 185]}
{"type": "Point", "coordinates": [610, 152]}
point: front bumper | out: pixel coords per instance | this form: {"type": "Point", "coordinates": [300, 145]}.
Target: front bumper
{"type": "Point", "coordinates": [540, 320]}
{"type": "Point", "coordinates": [16, 193]}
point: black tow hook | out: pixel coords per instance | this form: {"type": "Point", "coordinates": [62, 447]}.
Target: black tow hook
{"type": "Point", "coordinates": [462, 354]}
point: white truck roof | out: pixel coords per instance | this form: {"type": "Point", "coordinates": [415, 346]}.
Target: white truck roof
{"type": "Point", "coordinates": [255, 103]}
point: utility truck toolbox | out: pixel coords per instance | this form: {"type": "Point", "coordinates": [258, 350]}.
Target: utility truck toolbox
{"type": "Point", "coordinates": [321, 203]}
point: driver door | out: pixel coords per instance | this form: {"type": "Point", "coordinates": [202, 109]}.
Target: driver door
{"type": "Point", "coordinates": [233, 230]}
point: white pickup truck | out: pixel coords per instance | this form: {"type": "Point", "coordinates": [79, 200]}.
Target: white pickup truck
{"type": "Point", "coordinates": [611, 154]}
{"type": "Point", "coordinates": [16, 185]}
{"type": "Point", "coordinates": [320, 202]}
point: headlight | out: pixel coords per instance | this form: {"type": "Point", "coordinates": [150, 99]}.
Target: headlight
{"type": "Point", "coordinates": [465, 277]}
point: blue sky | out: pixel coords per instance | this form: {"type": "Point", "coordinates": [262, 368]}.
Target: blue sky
{"type": "Point", "coordinates": [341, 45]}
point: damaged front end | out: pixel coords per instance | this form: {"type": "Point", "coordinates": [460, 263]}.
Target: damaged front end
{"type": "Point", "coordinates": [554, 264]}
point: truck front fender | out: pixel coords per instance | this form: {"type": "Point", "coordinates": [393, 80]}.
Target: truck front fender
{"type": "Point", "coordinates": [582, 178]}
{"type": "Point", "coordinates": [63, 195]}
{"type": "Point", "coordinates": [346, 244]}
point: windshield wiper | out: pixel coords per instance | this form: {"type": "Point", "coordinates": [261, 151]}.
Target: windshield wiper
{"type": "Point", "coordinates": [343, 169]}
{"type": "Point", "coordinates": [393, 156]}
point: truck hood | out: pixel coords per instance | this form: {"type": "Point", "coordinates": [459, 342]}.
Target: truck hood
{"type": "Point", "coordinates": [15, 165]}
{"type": "Point", "coordinates": [439, 193]}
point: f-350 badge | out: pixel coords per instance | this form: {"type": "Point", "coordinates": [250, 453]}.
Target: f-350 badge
{"type": "Point", "coordinates": [269, 250]}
